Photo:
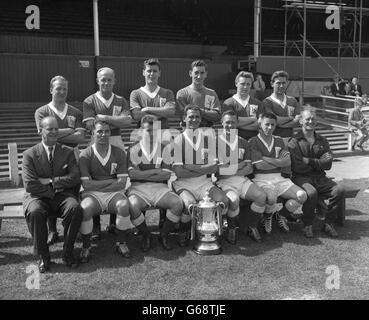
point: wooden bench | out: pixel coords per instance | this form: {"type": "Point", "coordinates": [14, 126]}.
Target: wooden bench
{"type": "Point", "coordinates": [12, 210]}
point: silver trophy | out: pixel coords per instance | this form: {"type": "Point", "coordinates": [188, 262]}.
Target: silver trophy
{"type": "Point", "coordinates": [207, 225]}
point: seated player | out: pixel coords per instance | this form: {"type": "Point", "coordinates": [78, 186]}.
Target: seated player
{"type": "Point", "coordinates": [149, 171]}
{"type": "Point", "coordinates": [192, 168]}
{"type": "Point", "coordinates": [269, 155]}
{"type": "Point", "coordinates": [246, 107]}
{"type": "Point", "coordinates": [104, 174]}
{"type": "Point", "coordinates": [358, 125]}
{"type": "Point", "coordinates": [234, 182]}
{"type": "Point", "coordinates": [310, 158]}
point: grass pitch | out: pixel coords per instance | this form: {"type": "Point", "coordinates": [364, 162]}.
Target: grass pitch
{"type": "Point", "coordinates": [283, 266]}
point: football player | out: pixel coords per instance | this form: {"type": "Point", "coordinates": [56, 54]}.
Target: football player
{"type": "Point", "coordinates": [103, 168]}
{"type": "Point", "coordinates": [197, 94]}
{"type": "Point", "coordinates": [234, 154]}
{"type": "Point", "coordinates": [269, 155]}
{"type": "Point", "coordinates": [194, 162]}
{"type": "Point", "coordinates": [149, 171]}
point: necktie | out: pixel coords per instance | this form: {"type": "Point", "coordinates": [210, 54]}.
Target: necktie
{"type": "Point", "coordinates": [51, 160]}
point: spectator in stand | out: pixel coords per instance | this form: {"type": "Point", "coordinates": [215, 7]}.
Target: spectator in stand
{"type": "Point", "coordinates": [355, 87]}
{"type": "Point", "coordinates": [337, 87]}
{"type": "Point", "coordinates": [259, 84]}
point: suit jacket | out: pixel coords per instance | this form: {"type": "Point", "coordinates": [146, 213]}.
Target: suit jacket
{"type": "Point", "coordinates": [353, 90]}
{"type": "Point", "coordinates": [341, 90]}
{"type": "Point", "coordinates": [36, 165]}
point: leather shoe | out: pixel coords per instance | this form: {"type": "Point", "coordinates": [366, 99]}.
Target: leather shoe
{"type": "Point", "coordinates": [329, 230]}
{"type": "Point", "coordinates": [308, 231]}
{"type": "Point", "coordinates": [164, 242]}
{"type": "Point", "coordinates": [254, 234]}
{"type": "Point", "coordinates": [183, 239]}
{"type": "Point", "coordinates": [96, 234]}
{"type": "Point", "coordinates": [44, 264]}
{"type": "Point", "coordinates": [146, 244]}
{"type": "Point", "coordinates": [111, 229]}
{"type": "Point", "coordinates": [70, 261]}
{"type": "Point", "coordinates": [123, 250]}
{"type": "Point", "coordinates": [52, 238]}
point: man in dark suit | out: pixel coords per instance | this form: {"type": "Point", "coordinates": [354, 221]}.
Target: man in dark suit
{"type": "Point", "coordinates": [338, 86]}
{"type": "Point", "coordinates": [50, 172]}
{"type": "Point", "coordinates": [355, 87]}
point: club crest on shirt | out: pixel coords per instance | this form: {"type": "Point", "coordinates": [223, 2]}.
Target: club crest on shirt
{"type": "Point", "coordinates": [113, 169]}
{"type": "Point", "coordinates": [71, 120]}
{"type": "Point", "coordinates": [209, 101]}
{"type": "Point", "coordinates": [117, 110]}
{"type": "Point", "coordinates": [253, 110]}
{"type": "Point", "coordinates": [158, 162]}
{"type": "Point", "coordinates": [277, 151]}
{"type": "Point", "coordinates": [162, 102]}
{"type": "Point", "coordinates": [290, 111]}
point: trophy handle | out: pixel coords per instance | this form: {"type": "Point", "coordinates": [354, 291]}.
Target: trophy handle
{"type": "Point", "coordinates": [220, 208]}
{"type": "Point", "coordinates": [191, 209]}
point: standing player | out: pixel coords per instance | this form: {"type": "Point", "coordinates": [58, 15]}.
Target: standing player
{"type": "Point", "coordinates": [106, 106]}
{"type": "Point", "coordinates": [152, 99]}
{"type": "Point", "coordinates": [269, 155]}
{"type": "Point", "coordinates": [70, 133]}
{"type": "Point", "coordinates": [192, 167]}
{"type": "Point", "coordinates": [234, 182]}
{"type": "Point", "coordinates": [197, 94]}
{"type": "Point", "coordinates": [286, 108]}
{"type": "Point", "coordinates": [149, 170]}
{"type": "Point", "coordinates": [246, 108]}
{"type": "Point", "coordinates": [103, 168]}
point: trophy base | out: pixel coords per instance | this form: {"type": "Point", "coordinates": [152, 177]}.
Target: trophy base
{"type": "Point", "coordinates": [207, 248]}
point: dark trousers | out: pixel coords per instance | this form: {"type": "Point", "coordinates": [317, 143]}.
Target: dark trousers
{"type": "Point", "coordinates": [320, 187]}
{"type": "Point", "coordinates": [63, 206]}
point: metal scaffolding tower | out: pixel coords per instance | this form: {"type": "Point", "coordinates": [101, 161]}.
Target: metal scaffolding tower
{"type": "Point", "coordinates": [301, 8]}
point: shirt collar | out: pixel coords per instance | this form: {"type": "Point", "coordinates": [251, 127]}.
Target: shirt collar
{"type": "Point", "coordinates": [60, 114]}
{"type": "Point", "coordinates": [243, 103]}
{"type": "Point", "coordinates": [153, 94]}
{"type": "Point", "coordinates": [46, 147]}
{"type": "Point", "coordinates": [106, 103]}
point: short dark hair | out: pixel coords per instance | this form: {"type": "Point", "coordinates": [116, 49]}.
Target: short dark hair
{"type": "Point", "coordinates": [97, 121]}
{"type": "Point", "coordinates": [229, 113]}
{"type": "Point", "coordinates": [199, 63]}
{"type": "Point", "coordinates": [151, 62]}
{"type": "Point", "coordinates": [244, 74]}
{"type": "Point", "coordinates": [280, 73]}
{"type": "Point", "coordinates": [268, 115]}
{"type": "Point", "coordinates": [192, 107]}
